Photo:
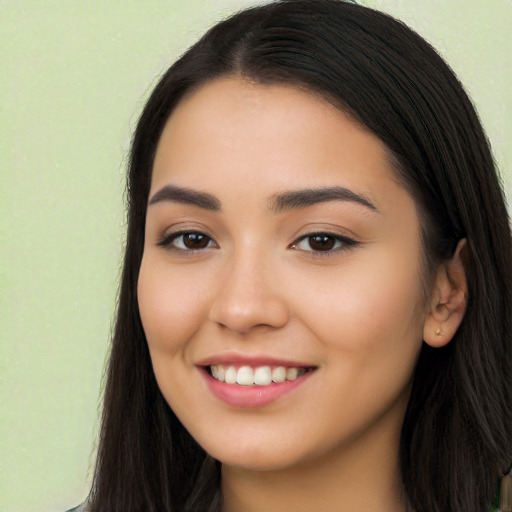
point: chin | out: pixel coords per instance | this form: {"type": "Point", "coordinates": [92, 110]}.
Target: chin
{"type": "Point", "coordinates": [256, 456]}
{"type": "Point", "coordinates": [258, 461]}
{"type": "Point", "coordinates": [264, 456]}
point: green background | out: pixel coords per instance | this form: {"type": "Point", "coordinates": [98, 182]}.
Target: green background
{"type": "Point", "coordinates": [74, 76]}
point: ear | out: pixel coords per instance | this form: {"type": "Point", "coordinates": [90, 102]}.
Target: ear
{"type": "Point", "coordinates": [448, 299]}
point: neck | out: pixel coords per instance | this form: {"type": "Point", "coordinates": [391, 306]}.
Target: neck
{"type": "Point", "coordinates": [362, 476]}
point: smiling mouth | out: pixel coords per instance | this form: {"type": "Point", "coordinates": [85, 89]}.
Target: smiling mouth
{"type": "Point", "coordinates": [255, 376]}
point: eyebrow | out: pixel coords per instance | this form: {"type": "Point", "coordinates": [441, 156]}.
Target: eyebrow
{"type": "Point", "coordinates": [182, 195]}
{"type": "Point", "coordinates": [279, 203]}
{"type": "Point", "coordinates": [304, 198]}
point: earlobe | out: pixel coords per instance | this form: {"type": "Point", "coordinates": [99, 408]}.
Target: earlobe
{"type": "Point", "coordinates": [448, 300]}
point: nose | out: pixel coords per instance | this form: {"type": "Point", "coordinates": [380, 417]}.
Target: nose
{"type": "Point", "coordinates": [249, 296]}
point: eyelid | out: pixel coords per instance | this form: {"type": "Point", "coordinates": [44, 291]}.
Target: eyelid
{"type": "Point", "coordinates": [344, 243]}
{"type": "Point", "coordinates": [166, 241]}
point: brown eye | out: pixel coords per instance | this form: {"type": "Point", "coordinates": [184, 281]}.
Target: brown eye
{"type": "Point", "coordinates": [321, 242]}
{"type": "Point", "coordinates": [324, 243]}
{"type": "Point", "coordinates": [195, 240]}
{"type": "Point", "coordinates": [188, 241]}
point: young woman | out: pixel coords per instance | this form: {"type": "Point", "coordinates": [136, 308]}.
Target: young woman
{"type": "Point", "coordinates": [315, 309]}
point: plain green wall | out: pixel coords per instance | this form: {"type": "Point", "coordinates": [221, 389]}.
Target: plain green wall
{"type": "Point", "coordinates": [74, 76]}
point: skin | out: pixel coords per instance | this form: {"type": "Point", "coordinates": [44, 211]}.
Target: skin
{"type": "Point", "coordinates": [357, 313]}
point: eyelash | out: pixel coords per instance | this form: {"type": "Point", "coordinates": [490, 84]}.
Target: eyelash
{"type": "Point", "coordinates": [168, 240]}
{"type": "Point", "coordinates": [341, 243]}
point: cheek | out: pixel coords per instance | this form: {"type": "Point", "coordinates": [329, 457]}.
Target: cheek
{"type": "Point", "coordinates": [169, 305]}
{"type": "Point", "coordinates": [171, 311]}
{"type": "Point", "coordinates": [374, 304]}
{"type": "Point", "coordinates": [369, 321]}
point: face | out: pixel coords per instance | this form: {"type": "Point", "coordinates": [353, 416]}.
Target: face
{"type": "Point", "coordinates": [280, 286]}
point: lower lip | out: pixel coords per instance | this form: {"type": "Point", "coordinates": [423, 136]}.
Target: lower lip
{"type": "Point", "coordinates": [252, 396]}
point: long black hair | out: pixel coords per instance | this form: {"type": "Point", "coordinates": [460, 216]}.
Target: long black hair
{"type": "Point", "coordinates": [456, 436]}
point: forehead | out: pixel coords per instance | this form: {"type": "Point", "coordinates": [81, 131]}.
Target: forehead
{"type": "Point", "coordinates": [268, 138]}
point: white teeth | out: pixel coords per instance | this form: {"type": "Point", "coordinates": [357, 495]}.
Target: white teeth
{"type": "Point", "coordinates": [263, 376]}
{"type": "Point", "coordinates": [291, 373]}
{"type": "Point", "coordinates": [245, 376]}
{"type": "Point", "coordinates": [259, 376]}
{"type": "Point", "coordinates": [230, 377]}
{"type": "Point", "coordinates": [279, 374]}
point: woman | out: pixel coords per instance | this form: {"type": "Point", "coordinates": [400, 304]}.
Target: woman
{"type": "Point", "coordinates": [315, 305]}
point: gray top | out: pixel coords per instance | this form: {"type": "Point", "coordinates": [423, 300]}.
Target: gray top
{"type": "Point", "coordinates": [80, 508]}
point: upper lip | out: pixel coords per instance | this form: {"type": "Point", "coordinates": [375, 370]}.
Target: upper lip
{"type": "Point", "coordinates": [255, 360]}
